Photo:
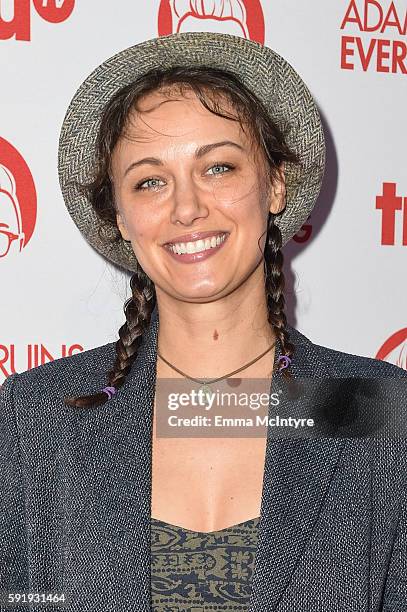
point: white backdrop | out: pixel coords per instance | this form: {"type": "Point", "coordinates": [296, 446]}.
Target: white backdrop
{"type": "Point", "coordinates": [345, 289]}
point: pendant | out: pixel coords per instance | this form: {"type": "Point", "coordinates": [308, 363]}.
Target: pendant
{"type": "Point", "coordinates": [207, 391]}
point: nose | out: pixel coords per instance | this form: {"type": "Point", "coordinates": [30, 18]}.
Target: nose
{"type": "Point", "coordinates": [189, 203]}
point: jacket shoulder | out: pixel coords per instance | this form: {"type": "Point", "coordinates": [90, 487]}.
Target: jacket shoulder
{"type": "Point", "coordinates": [344, 364]}
{"type": "Point", "coordinates": [40, 392]}
{"type": "Point", "coordinates": [358, 365]}
{"type": "Point", "coordinates": [78, 368]}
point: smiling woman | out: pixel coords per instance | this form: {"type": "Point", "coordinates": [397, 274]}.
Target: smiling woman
{"type": "Point", "coordinates": [190, 161]}
{"type": "Point", "coordinates": [191, 146]}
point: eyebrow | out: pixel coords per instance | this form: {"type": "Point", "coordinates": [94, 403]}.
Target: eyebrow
{"type": "Point", "coordinates": [200, 152]}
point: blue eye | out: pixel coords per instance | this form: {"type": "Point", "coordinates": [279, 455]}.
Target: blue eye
{"type": "Point", "coordinates": [151, 183]}
{"type": "Point", "coordinates": [219, 169]}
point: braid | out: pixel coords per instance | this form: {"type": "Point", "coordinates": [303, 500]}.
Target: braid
{"type": "Point", "coordinates": [138, 311]}
{"type": "Point", "coordinates": [274, 283]}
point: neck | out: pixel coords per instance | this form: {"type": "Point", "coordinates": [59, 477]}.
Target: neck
{"type": "Point", "coordinates": [211, 339]}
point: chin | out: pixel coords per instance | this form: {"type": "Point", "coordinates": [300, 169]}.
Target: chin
{"type": "Point", "coordinates": [201, 294]}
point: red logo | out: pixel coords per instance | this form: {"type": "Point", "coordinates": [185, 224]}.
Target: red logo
{"type": "Point", "coordinates": [18, 200]}
{"type": "Point", "coordinates": [18, 23]}
{"type": "Point", "coordinates": [371, 51]}
{"type": "Point", "coordinates": [394, 349]}
{"type": "Point", "coordinates": [35, 355]}
{"type": "Point", "coordinates": [239, 17]}
{"type": "Point", "coordinates": [390, 203]}
{"type": "Point", "coordinates": [304, 233]}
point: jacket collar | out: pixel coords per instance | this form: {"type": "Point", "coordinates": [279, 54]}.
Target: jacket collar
{"type": "Point", "coordinates": [113, 479]}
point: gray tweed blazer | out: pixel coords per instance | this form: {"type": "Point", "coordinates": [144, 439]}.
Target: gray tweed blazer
{"type": "Point", "coordinates": [76, 495]}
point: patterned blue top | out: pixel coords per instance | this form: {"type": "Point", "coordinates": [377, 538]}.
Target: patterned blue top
{"type": "Point", "coordinates": [194, 571]}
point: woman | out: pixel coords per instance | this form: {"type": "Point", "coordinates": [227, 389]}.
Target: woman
{"type": "Point", "coordinates": [190, 160]}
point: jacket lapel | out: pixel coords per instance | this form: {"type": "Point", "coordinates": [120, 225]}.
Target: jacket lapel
{"type": "Point", "coordinates": [296, 477]}
{"type": "Point", "coordinates": [113, 474]}
{"type": "Point", "coordinates": [109, 501]}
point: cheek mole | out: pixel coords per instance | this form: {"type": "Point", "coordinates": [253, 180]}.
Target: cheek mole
{"type": "Point", "coordinates": [215, 335]}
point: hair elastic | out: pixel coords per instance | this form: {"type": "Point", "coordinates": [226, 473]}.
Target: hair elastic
{"type": "Point", "coordinates": [110, 391]}
{"type": "Point", "coordinates": [285, 361]}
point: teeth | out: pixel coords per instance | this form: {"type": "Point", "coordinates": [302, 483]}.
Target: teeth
{"type": "Point", "coordinates": [198, 245]}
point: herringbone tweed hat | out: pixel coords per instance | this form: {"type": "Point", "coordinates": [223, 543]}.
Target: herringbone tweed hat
{"type": "Point", "coordinates": [261, 69]}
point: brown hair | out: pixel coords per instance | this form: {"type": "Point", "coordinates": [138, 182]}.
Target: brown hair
{"type": "Point", "coordinates": [211, 86]}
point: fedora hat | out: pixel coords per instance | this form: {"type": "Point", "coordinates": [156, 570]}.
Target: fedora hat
{"type": "Point", "coordinates": [262, 70]}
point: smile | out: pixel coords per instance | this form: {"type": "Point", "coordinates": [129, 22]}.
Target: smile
{"type": "Point", "coordinates": [197, 246]}
{"type": "Point", "coordinates": [197, 250]}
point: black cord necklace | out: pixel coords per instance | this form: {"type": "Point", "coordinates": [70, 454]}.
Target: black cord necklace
{"type": "Point", "coordinates": [205, 385]}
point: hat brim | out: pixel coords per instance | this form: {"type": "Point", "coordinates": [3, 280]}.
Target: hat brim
{"type": "Point", "coordinates": [261, 69]}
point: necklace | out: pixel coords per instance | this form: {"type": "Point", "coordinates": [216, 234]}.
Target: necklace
{"type": "Point", "coordinates": [205, 385]}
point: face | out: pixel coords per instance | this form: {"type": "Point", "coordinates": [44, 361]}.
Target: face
{"type": "Point", "coordinates": [181, 170]}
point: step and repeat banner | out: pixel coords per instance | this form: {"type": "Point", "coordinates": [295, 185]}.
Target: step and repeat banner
{"type": "Point", "coordinates": [346, 267]}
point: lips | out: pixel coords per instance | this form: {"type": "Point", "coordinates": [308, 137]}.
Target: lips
{"type": "Point", "coordinates": [195, 236]}
{"type": "Point", "coordinates": [197, 256]}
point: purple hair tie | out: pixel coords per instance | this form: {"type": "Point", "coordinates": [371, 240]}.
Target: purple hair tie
{"type": "Point", "coordinates": [110, 391]}
{"type": "Point", "coordinates": [285, 362]}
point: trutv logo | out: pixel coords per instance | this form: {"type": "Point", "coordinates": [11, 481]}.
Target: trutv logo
{"type": "Point", "coordinates": [393, 208]}
{"type": "Point", "coordinates": [15, 15]}
{"type": "Point", "coordinates": [18, 201]}
{"type": "Point", "coordinates": [394, 349]}
{"type": "Point", "coordinates": [239, 17]}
